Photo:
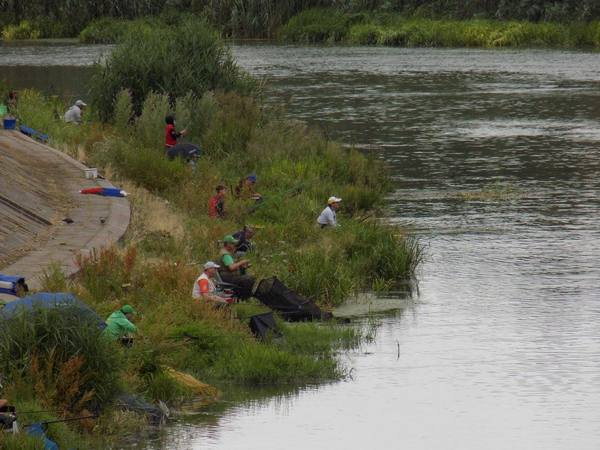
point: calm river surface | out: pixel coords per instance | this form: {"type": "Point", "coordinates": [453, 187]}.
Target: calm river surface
{"type": "Point", "coordinates": [496, 162]}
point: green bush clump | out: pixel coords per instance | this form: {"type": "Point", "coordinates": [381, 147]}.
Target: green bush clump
{"type": "Point", "coordinates": [62, 355]}
{"type": "Point", "coordinates": [253, 364]}
{"type": "Point", "coordinates": [22, 30]}
{"type": "Point", "coordinates": [421, 30]}
{"type": "Point", "coordinates": [176, 60]}
{"type": "Point", "coordinates": [104, 31]}
{"type": "Point", "coordinates": [318, 25]}
{"type": "Point", "coordinates": [365, 34]}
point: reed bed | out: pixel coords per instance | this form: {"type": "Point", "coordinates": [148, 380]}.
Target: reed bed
{"type": "Point", "coordinates": [332, 26]}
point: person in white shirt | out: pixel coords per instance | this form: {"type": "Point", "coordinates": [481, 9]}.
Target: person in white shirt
{"type": "Point", "coordinates": [74, 114]}
{"type": "Point", "coordinates": [205, 288]}
{"type": "Point", "coordinates": [327, 218]}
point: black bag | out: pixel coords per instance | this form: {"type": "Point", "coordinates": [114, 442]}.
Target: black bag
{"type": "Point", "coordinates": [292, 306]}
{"type": "Point", "coordinates": [263, 325]}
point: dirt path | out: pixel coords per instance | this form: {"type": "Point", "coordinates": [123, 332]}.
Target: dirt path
{"type": "Point", "coordinates": [39, 188]}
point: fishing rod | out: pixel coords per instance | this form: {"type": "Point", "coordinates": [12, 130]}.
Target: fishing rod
{"type": "Point", "coordinates": [71, 419]}
{"type": "Point", "coordinates": [292, 192]}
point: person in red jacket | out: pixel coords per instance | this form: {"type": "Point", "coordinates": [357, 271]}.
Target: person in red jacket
{"type": "Point", "coordinates": [171, 134]}
{"type": "Point", "coordinates": [216, 205]}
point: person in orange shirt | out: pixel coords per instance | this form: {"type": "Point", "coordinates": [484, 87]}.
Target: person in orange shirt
{"type": "Point", "coordinates": [205, 287]}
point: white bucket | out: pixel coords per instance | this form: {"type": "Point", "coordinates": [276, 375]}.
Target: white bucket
{"type": "Point", "coordinates": [91, 173]}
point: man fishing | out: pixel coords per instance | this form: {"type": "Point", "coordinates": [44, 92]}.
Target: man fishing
{"type": "Point", "coordinates": [119, 325]}
{"type": "Point", "coordinates": [205, 286]}
{"type": "Point", "coordinates": [328, 218]}
{"type": "Point", "coordinates": [234, 272]}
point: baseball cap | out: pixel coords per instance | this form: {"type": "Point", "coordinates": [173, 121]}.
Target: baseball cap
{"type": "Point", "coordinates": [211, 265]}
{"type": "Point", "coordinates": [127, 309]}
{"type": "Point", "coordinates": [80, 103]}
{"type": "Point", "coordinates": [229, 239]}
{"type": "Point", "coordinates": [252, 177]}
{"type": "Point", "coordinates": [333, 199]}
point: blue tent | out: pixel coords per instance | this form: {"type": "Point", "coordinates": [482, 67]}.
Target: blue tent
{"type": "Point", "coordinates": [50, 301]}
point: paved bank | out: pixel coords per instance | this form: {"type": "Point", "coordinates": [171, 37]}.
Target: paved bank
{"type": "Point", "coordinates": [39, 189]}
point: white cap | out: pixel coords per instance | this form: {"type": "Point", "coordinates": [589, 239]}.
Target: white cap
{"type": "Point", "coordinates": [211, 265]}
{"type": "Point", "coordinates": [333, 199]}
{"type": "Point", "coordinates": [80, 103]}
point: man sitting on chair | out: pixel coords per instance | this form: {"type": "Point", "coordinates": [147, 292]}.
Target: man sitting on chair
{"type": "Point", "coordinates": [205, 287]}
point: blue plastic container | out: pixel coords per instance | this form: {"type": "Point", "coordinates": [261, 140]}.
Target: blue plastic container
{"type": "Point", "coordinates": [10, 124]}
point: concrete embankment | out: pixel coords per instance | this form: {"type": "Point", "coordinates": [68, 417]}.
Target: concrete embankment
{"type": "Point", "coordinates": [43, 218]}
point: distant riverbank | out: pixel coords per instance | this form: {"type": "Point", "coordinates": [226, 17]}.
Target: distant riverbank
{"type": "Point", "coordinates": [343, 26]}
{"type": "Point", "coordinates": [331, 26]}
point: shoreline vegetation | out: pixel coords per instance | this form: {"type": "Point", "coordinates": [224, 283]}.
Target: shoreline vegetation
{"type": "Point", "coordinates": [407, 23]}
{"type": "Point", "coordinates": [52, 363]}
{"type": "Point", "coordinates": [328, 26]}
{"type": "Point", "coordinates": [332, 27]}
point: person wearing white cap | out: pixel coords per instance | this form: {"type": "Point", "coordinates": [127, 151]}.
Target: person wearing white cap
{"type": "Point", "coordinates": [75, 112]}
{"type": "Point", "coordinates": [327, 218]}
{"type": "Point", "coordinates": [205, 288]}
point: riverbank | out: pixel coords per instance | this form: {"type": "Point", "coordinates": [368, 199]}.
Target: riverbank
{"type": "Point", "coordinates": [171, 235]}
{"type": "Point", "coordinates": [349, 27]}
{"type": "Point", "coordinates": [333, 27]}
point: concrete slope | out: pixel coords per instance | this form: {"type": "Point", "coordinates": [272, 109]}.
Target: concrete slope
{"type": "Point", "coordinates": [39, 187]}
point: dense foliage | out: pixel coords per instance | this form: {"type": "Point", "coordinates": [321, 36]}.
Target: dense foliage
{"type": "Point", "coordinates": [62, 356]}
{"type": "Point", "coordinates": [262, 18]}
{"type": "Point", "coordinates": [175, 60]}
{"type": "Point", "coordinates": [332, 26]}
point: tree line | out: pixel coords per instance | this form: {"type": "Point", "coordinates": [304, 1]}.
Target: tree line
{"type": "Point", "coordinates": [262, 17]}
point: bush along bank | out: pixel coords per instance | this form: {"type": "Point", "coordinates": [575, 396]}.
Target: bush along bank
{"type": "Point", "coordinates": [171, 233]}
{"type": "Point", "coordinates": [333, 26]}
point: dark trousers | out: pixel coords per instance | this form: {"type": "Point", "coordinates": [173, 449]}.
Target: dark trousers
{"type": "Point", "coordinates": [242, 284]}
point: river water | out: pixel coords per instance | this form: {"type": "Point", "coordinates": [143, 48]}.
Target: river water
{"type": "Point", "coordinates": [496, 166]}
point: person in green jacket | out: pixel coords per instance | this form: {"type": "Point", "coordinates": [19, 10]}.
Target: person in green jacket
{"type": "Point", "coordinates": [119, 325]}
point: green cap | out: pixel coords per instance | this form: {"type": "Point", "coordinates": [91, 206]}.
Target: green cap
{"type": "Point", "coordinates": [229, 239]}
{"type": "Point", "coordinates": [127, 309]}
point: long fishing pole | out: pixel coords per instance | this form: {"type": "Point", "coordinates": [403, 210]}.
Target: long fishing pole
{"type": "Point", "coordinates": [71, 419]}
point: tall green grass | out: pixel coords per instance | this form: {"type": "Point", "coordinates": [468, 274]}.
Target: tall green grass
{"type": "Point", "coordinates": [176, 60]}
{"type": "Point", "coordinates": [328, 25]}
{"type": "Point", "coordinates": [61, 355]}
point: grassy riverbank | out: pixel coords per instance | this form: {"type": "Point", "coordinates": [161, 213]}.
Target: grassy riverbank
{"type": "Point", "coordinates": [262, 18]}
{"type": "Point", "coordinates": [170, 235]}
{"type": "Point", "coordinates": [332, 26]}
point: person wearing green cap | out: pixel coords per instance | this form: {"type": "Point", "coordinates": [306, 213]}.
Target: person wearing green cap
{"type": "Point", "coordinates": [119, 325]}
{"type": "Point", "coordinates": [234, 272]}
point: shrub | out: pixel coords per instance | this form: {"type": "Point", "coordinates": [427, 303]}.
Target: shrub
{"type": "Point", "coordinates": [23, 30]}
{"type": "Point", "coordinates": [104, 31]}
{"type": "Point", "coordinates": [317, 25]}
{"type": "Point", "coordinates": [123, 112]}
{"type": "Point", "coordinates": [364, 34]}
{"type": "Point", "coordinates": [63, 356]}
{"type": "Point", "coordinates": [177, 60]}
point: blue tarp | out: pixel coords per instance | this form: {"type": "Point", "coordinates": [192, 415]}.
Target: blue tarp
{"type": "Point", "coordinates": [50, 301]}
{"type": "Point", "coordinates": [33, 133]}
{"type": "Point", "coordinates": [8, 283]}
{"type": "Point", "coordinates": [37, 430]}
